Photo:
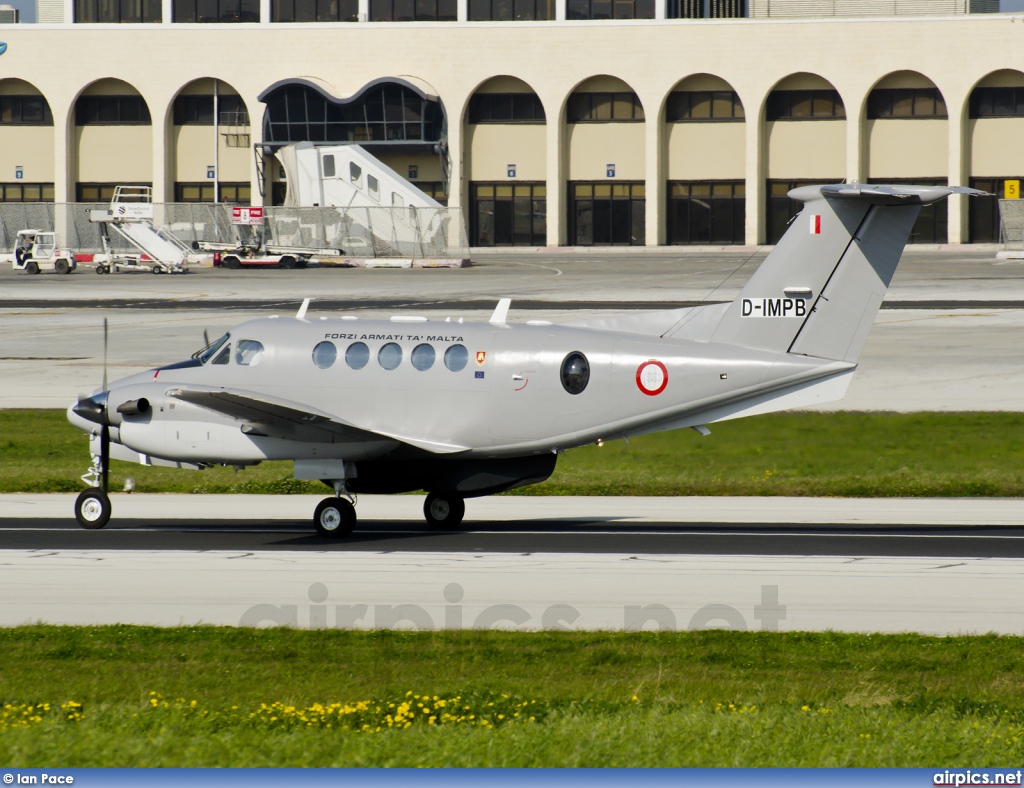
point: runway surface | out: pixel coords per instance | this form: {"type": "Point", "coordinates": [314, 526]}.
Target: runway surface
{"type": "Point", "coordinates": [937, 567]}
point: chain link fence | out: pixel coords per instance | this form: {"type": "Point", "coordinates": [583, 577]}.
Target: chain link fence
{"type": "Point", "coordinates": [1011, 225]}
{"type": "Point", "coordinates": [385, 232]}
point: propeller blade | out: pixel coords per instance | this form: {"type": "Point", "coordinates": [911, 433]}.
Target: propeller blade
{"type": "Point", "coordinates": [104, 457]}
{"type": "Point", "coordinates": [104, 354]}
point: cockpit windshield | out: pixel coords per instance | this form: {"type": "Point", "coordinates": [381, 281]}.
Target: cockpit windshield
{"type": "Point", "coordinates": [205, 353]}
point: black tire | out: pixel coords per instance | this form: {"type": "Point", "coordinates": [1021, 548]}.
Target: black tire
{"type": "Point", "coordinates": [156, 269]}
{"type": "Point", "coordinates": [92, 509]}
{"type": "Point", "coordinates": [32, 267]}
{"type": "Point", "coordinates": [231, 262]}
{"type": "Point", "coordinates": [62, 266]}
{"type": "Point", "coordinates": [101, 269]}
{"type": "Point", "coordinates": [302, 263]}
{"type": "Point", "coordinates": [286, 262]}
{"type": "Point", "coordinates": [444, 511]}
{"type": "Point", "coordinates": [334, 518]}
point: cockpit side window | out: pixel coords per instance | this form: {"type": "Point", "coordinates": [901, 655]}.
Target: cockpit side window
{"type": "Point", "coordinates": [224, 357]}
{"type": "Point", "coordinates": [206, 353]}
{"type": "Point", "coordinates": [248, 352]}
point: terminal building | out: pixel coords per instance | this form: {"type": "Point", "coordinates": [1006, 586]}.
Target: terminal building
{"type": "Point", "coordinates": [547, 122]}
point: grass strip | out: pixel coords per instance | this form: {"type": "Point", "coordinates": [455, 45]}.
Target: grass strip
{"type": "Point", "coordinates": [204, 696]}
{"type": "Point", "coordinates": [835, 454]}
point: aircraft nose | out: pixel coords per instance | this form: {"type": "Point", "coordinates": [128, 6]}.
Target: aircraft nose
{"type": "Point", "coordinates": [91, 409]}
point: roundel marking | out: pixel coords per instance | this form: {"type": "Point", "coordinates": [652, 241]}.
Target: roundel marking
{"type": "Point", "coordinates": [652, 377]}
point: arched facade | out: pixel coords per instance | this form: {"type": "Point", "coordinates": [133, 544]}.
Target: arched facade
{"type": "Point", "coordinates": [26, 156]}
{"type": "Point", "coordinates": [584, 76]}
{"type": "Point", "coordinates": [505, 162]}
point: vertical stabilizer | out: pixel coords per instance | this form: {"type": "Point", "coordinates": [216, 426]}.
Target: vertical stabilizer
{"type": "Point", "coordinates": [819, 290]}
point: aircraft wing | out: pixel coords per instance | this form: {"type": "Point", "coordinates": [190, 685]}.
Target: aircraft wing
{"type": "Point", "coordinates": [279, 418]}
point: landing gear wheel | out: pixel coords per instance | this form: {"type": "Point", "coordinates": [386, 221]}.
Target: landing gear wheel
{"type": "Point", "coordinates": [92, 509]}
{"type": "Point", "coordinates": [334, 517]}
{"type": "Point", "coordinates": [32, 267]}
{"type": "Point", "coordinates": [62, 266]}
{"type": "Point", "coordinates": [444, 511]}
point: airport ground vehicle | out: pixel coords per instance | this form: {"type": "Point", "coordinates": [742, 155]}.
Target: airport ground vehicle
{"type": "Point", "coordinates": [37, 250]}
{"type": "Point", "coordinates": [130, 216]}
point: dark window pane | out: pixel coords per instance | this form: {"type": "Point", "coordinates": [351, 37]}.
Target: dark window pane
{"type": "Point", "coordinates": [644, 9]}
{"type": "Point", "coordinates": [577, 9]}
{"type": "Point", "coordinates": [426, 10]}
{"type": "Point", "coordinates": [447, 10]}
{"type": "Point", "coordinates": [405, 10]}
{"type": "Point", "coordinates": [479, 10]}
{"type": "Point", "coordinates": [380, 11]}
{"type": "Point", "coordinates": [525, 10]}
{"type": "Point", "coordinates": [282, 10]}
{"type": "Point", "coordinates": [305, 11]}
{"type": "Point", "coordinates": [700, 106]}
{"type": "Point", "coordinates": [601, 104]}
{"type": "Point", "coordinates": [579, 107]}
{"type": "Point", "coordinates": [601, 9]}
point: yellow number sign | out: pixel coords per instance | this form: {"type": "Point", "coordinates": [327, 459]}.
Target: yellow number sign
{"type": "Point", "coordinates": [1011, 189]}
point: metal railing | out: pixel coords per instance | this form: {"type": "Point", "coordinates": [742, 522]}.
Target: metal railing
{"type": "Point", "coordinates": [385, 232]}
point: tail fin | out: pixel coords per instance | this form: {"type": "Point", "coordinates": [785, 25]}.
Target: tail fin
{"type": "Point", "coordinates": [819, 290]}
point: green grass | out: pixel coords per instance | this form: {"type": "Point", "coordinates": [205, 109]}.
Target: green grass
{"type": "Point", "coordinates": [841, 454]}
{"type": "Point", "coordinates": [230, 697]}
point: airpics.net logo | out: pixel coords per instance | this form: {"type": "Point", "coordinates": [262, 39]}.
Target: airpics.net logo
{"type": "Point", "coordinates": [454, 615]}
{"type": "Point", "coordinates": [970, 777]}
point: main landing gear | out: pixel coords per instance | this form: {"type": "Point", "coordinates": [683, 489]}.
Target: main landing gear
{"type": "Point", "coordinates": [336, 517]}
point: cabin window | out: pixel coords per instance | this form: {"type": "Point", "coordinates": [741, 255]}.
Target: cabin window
{"type": "Point", "coordinates": [224, 357]}
{"type": "Point", "coordinates": [357, 355]}
{"type": "Point", "coordinates": [456, 357]}
{"type": "Point", "coordinates": [205, 354]}
{"type": "Point", "coordinates": [575, 372]}
{"type": "Point", "coordinates": [328, 166]}
{"type": "Point", "coordinates": [249, 352]}
{"type": "Point", "coordinates": [325, 354]}
{"type": "Point", "coordinates": [423, 357]}
{"type": "Point", "coordinates": [390, 356]}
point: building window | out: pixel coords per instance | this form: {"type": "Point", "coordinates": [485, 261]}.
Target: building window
{"type": "Point", "coordinates": [510, 10]}
{"type": "Point", "coordinates": [388, 113]}
{"type": "Point", "coordinates": [604, 108]}
{"type": "Point", "coordinates": [984, 209]}
{"type": "Point", "coordinates": [508, 214]}
{"type": "Point", "coordinates": [413, 10]}
{"type": "Point", "coordinates": [25, 111]}
{"type": "Point", "coordinates": [685, 106]}
{"type": "Point", "coordinates": [198, 110]}
{"type": "Point", "coordinates": [117, 11]}
{"type": "Point", "coordinates": [26, 192]}
{"type": "Point", "coordinates": [112, 111]}
{"type": "Point", "coordinates": [506, 108]}
{"type": "Point", "coordinates": [100, 192]}
{"type": "Point", "coordinates": [706, 9]}
{"type": "Point", "coordinates": [314, 11]}
{"type": "Point", "coordinates": [216, 11]}
{"type": "Point", "coordinates": [906, 103]}
{"type": "Point", "coordinates": [805, 105]}
{"type": "Point", "coordinates": [434, 189]}
{"type": "Point", "coordinates": [234, 193]}
{"type": "Point", "coordinates": [609, 9]}
{"type": "Point", "coordinates": [607, 214]}
{"type": "Point", "coordinates": [707, 213]}
{"type": "Point", "coordinates": [997, 103]}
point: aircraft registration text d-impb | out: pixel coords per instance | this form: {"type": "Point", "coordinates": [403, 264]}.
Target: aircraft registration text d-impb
{"type": "Point", "coordinates": [773, 307]}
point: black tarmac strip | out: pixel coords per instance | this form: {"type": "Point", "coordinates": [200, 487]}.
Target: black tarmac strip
{"type": "Point", "coordinates": [261, 305]}
{"type": "Point", "coordinates": [524, 538]}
